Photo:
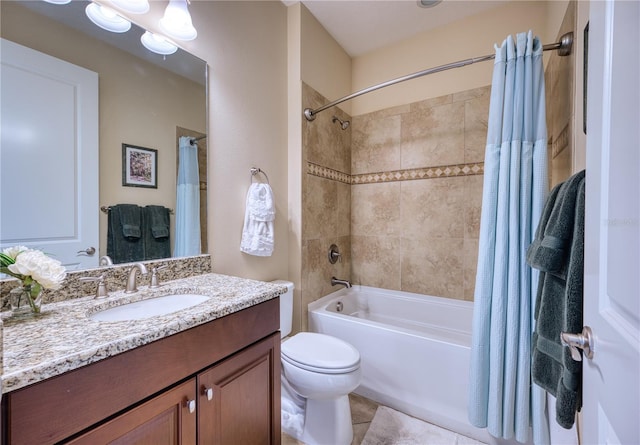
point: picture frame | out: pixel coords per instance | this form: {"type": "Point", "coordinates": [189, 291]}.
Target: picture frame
{"type": "Point", "coordinates": [139, 166]}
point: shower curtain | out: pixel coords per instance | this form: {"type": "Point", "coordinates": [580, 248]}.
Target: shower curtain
{"type": "Point", "coordinates": [515, 185]}
{"type": "Point", "coordinates": [187, 201]}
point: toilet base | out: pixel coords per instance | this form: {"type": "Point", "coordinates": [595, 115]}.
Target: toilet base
{"type": "Point", "coordinates": [328, 422]}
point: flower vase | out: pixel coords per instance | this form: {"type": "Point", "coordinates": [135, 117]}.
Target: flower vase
{"type": "Point", "coordinates": [25, 300]}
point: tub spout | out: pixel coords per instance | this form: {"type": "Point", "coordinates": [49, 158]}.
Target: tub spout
{"type": "Point", "coordinates": [345, 283]}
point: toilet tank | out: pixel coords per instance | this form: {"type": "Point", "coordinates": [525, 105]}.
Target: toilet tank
{"type": "Point", "coordinates": [286, 308]}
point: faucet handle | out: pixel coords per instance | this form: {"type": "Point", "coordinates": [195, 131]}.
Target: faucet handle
{"type": "Point", "coordinates": [334, 254]}
{"type": "Point", "coordinates": [154, 276]}
{"type": "Point", "coordinates": [101, 290]}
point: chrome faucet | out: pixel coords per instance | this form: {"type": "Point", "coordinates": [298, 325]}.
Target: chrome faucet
{"type": "Point", "coordinates": [131, 281]}
{"type": "Point", "coordinates": [106, 261]}
{"type": "Point", "coordinates": [345, 283]}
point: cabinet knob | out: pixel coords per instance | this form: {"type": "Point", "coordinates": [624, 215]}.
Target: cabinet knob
{"type": "Point", "coordinates": [191, 404]}
{"type": "Point", "coordinates": [208, 392]}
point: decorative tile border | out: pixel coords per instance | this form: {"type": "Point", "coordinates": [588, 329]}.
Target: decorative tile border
{"type": "Point", "coordinates": [442, 171]}
{"type": "Point", "coordinates": [328, 173]}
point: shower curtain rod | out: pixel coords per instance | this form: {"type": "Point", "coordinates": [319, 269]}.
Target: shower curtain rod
{"type": "Point", "coordinates": [197, 139]}
{"type": "Point", "coordinates": [563, 46]}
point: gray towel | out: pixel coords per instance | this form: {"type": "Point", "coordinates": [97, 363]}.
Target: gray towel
{"type": "Point", "coordinates": [156, 232]}
{"type": "Point", "coordinates": [558, 252]}
{"type": "Point", "coordinates": [131, 220]}
{"type": "Point", "coordinates": [157, 219]}
{"type": "Point", "coordinates": [122, 248]}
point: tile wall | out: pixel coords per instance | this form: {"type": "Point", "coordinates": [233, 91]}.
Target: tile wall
{"type": "Point", "coordinates": [416, 194]}
{"type": "Point", "coordinates": [399, 192]}
{"type": "Point", "coordinates": [326, 200]}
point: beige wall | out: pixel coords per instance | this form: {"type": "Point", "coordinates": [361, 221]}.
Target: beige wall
{"type": "Point", "coordinates": [245, 45]}
{"type": "Point", "coordinates": [314, 58]}
{"type": "Point", "coordinates": [325, 66]}
{"type": "Point", "coordinates": [470, 37]}
{"type": "Point", "coordinates": [295, 156]}
{"type": "Point", "coordinates": [129, 104]}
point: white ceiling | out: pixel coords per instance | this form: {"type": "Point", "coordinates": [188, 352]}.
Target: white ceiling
{"type": "Point", "coordinates": [362, 26]}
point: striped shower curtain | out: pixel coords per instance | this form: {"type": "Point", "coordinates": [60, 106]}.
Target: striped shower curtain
{"type": "Point", "coordinates": [501, 395]}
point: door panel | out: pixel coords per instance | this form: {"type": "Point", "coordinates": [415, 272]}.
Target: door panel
{"type": "Point", "coordinates": [49, 132]}
{"type": "Point", "coordinates": [244, 406]}
{"type": "Point", "coordinates": [611, 388]}
{"type": "Point", "coordinates": [163, 420]}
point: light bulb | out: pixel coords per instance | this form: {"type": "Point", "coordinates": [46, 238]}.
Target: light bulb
{"type": "Point", "coordinates": [157, 44]}
{"type": "Point", "coordinates": [132, 6]}
{"type": "Point", "coordinates": [107, 18]}
{"type": "Point", "coordinates": [176, 22]}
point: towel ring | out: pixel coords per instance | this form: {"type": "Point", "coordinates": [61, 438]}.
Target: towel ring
{"type": "Point", "coordinates": [254, 171]}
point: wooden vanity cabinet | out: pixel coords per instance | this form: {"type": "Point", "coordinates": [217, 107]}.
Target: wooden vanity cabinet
{"type": "Point", "coordinates": [218, 383]}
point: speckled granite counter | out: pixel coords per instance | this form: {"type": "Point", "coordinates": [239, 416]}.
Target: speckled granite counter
{"type": "Point", "coordinates": [64, 338]}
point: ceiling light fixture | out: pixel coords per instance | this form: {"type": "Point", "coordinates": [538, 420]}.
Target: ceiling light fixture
{"type": "Point", "coordinates": [132, 6]}
{"type": "Point", "coordinates": [107, 18]}
{"type": "Point", "coordinates": [58, 2]}
{"type": "Point", "coordinates": [157, 44]}
{"type": "Point", "coordinates": [176, 22]}
{"type": "Point", "coordinates": [428, 3]}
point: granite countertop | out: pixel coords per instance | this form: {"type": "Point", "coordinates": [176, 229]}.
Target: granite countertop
{"type": "Point", "coordinates": [64, 338]}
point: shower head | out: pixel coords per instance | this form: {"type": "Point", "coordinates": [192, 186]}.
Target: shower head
{"type": "Point", "coordinates": [343, 124]}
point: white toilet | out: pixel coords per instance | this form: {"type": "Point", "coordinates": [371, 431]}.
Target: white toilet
{"type": "Point", "coordinates": [318, 373]}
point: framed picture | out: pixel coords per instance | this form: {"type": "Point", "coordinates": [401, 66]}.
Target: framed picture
{"type": "Point", "coordinates": [139, 166]}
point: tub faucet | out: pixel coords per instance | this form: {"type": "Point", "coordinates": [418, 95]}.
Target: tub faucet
{"type": "Point", "coordinates": [345, 283]}
{"type": "Point", "coordinates": [131, 281]}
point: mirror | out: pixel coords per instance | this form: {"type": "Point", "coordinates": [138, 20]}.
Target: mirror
{"type": "Point", "coordinates": [145, 100]}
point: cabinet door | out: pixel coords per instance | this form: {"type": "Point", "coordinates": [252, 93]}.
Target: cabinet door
{"type": "Point", "coordinates": [165, 419]}
{"type": "Point", "coordinates": [239, 399]}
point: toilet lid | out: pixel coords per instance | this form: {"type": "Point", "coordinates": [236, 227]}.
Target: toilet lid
{"type": "Point", "coordinates": [320, 353]}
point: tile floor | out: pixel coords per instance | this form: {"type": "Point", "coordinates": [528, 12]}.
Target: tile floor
{"type": "Point", "coordinates": [362, 412]}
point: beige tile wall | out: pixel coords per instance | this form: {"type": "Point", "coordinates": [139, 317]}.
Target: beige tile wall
{"type": "Point", "coordinates": [416, 194]}
{"type": "Point", "coordinates": [326, 200]}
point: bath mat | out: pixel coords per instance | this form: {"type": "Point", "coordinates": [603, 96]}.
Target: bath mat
{"type": "Point", "coordinates": [391, 427]}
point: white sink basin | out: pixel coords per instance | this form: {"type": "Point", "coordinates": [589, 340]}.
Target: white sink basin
{"type": "Point", "coordinates": [149, 308]}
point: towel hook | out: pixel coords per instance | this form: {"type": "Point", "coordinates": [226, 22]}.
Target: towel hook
{"type": "Point", "coordinates": [254, 171]}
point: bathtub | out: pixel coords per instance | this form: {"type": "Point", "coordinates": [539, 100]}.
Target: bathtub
{"type": "Point", "coordinates": [415, 350]}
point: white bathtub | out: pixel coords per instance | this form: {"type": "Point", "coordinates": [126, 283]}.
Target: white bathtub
{"type": "Point", "coordinates": [414, 350]}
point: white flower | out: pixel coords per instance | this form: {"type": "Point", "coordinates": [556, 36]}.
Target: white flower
{"type": "Point", "coordinates": [14, 251]}
{"type": "Point", "coordinates": [47, 272]}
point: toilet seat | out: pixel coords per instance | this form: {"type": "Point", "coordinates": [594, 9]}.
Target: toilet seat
{"type": "Point", "coordinates": [320, 353]}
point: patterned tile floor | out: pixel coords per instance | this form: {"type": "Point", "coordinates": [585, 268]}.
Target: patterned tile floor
{"type": "Point", "coordinates": [362, 412]}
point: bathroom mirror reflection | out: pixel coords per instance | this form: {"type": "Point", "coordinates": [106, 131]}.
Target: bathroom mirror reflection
{"type": "Point", "coordinates": [143, 99]}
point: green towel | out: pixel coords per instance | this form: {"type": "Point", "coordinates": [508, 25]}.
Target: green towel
{"type": "Point", "coordinates": [156, 232]}
{"type": "Point", "coordinates": [131, 220]}
{"type": "Point", "coordinates": [558, 252]}
{"type": "Point", "coordinates": [122, 244]}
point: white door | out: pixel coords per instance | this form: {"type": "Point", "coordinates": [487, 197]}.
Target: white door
{"type": "Point", "coordinates": [611, 383]}
{"type": "Point", "coordinates": [49, 156]}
